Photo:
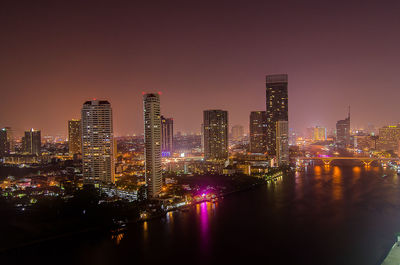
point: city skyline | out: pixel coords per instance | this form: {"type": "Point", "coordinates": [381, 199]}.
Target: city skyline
{"type": "Point", "coordinates": [200, 132]}
{"type": "Point", "coordinates": [180, 55]}
{"type": "Point", "coordinates": [19, 131]}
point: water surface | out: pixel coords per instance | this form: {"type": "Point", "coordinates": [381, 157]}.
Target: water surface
{"type": "Point", "coordinates": [324, 215]}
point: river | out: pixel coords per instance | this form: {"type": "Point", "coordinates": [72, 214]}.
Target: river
{"type": "Point", "coordinates": [324, 215]}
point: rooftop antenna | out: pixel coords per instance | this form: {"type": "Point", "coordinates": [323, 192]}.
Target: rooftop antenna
{"type": "Point", "coordinates": [349, 113]}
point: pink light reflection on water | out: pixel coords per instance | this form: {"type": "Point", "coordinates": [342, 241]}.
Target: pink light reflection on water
{"type": "Point", "coordinates": [204, 225]}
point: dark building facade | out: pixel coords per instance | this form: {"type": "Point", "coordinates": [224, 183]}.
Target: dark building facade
{"type": "Point", "coordinates": [215, 134]}
{"type": "Point", "coordinates": [167, 136]}
{"type": "Point", "coordinates": [3, 142]}
{"type": "Point", "coordinates": [343, 133]}
{"type": "Point", "coordinates": [32, 142]}
{"type": "Point", "coordinates": [276, 107]}
{"type": "Point", "coordinates": [74, 137]}
{"type": "Point", "coordinates": [258, 132]}
{"type": "Point", "coordinates": [6, 141]}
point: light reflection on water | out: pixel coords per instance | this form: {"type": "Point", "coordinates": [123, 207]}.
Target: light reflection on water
{"type": "Point", "coordinates": [299, 184]}
{"type": "Point", "coordinates": [338, 201]}
{"type": "Point", "coordinates": [117, 238]}
{"type": "Point", "coordinates": [204, 221]}
{"type": "Point", "coordinates": [337, 183]}
{"type": "Point", "coordinates": [206, 212]}
{"type": "Point", "coordinates": [145, 231]}
{"type": "Point", "coordinates": [356, 174]}
{"type": "Point", "coordinates": [318, 177]}
{"type": "Point", "coordinates": [170, 217]}
{"type": "Point", "coordinates": [327, 178]}
{"type": "Point", "coordinates": [317, 171]}
{"type": "Point", "coordinates": [395, 179]}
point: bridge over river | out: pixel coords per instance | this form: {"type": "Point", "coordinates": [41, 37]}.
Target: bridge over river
{"type": "Point", "coordinates": [366, 160]}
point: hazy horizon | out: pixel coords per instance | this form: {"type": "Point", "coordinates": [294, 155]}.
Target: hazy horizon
{"type": "Point", "coordinates": [205, 55]}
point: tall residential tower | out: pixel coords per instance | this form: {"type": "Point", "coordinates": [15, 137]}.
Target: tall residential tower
{"type": "Point", "coordinates": [6, 141]}
{"type": "Point", "coordinates": [276, 107]}
{"type": "Point", "coordinates": [32, 142]}
{"type": "Point", "coordinates": [74, 136]}
{"type": "Point", "coordinates": [97, 142]}
{"type": "Point", "coordinates": [152, 143]}
{"type": "Point", "coordinates": [215, 134]}
{"type": "Point", "coordinates": [282, 143]}
{"type": "Point", "coordinates": [167, 136]}
{"type": "Point", "coordinates": [343, 132]}
{"type": "Point", "coordinates": [258, 132]}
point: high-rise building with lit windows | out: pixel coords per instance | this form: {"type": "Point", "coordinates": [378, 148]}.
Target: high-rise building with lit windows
{"type": "Point", "coordinates": [6, 141]}
{"type": "Point", "coordinates": [215, 134]}
{"type": "Point", "coordinates": [343, 132]}
{"type": "Point", "coordinates": [152, 143]}
{"type": "Point", "coordinates": [318, 133]}
{"type": "Point", "coordinates": [97, 142]}
{"type": "Point", "coordinates": [282, 143]}
{"type": "Point", "coordinates": [74, 136]}
{"type": "Point", "coordinates": [258, 132]}
{"type": "Point", "coordinates": [167, 136]}
{"type": "Point", "coordinates": [32, 142]}
{"type": "Point", "coordinates": [276, 107]}
{"type": "Point", "coordinates": [389, 138]}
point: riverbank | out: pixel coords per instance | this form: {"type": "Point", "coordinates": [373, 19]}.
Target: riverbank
{"type": "Point", "coordinates": [353, 210]}
{"type": "Point", "coordinates": [221, 195]}
{"type": "Point", "coordinates": [115, 228]}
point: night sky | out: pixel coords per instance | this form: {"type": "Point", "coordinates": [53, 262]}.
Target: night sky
{"type": "Point", "coordinates": [201, 55]}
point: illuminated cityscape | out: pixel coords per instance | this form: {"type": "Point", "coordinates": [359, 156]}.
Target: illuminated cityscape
{"type": "Point", "coordinates": [207, 132]}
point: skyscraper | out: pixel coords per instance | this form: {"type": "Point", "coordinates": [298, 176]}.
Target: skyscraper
{"type": "Point", "coordinates": [6, 141]}
{"type": "Point", "coordinates": [343, 132]}
{"type": "Point", "coordinates": [167, 136]}
{"type": "Point", "coordinates": [389, 138]}
{"type": "Point", "coordinates": [319, 133]}
{"type": "Point", "coordinates": [97, 142]}
{"type": "Point", "coordinates": [3, 142]}
{"type": "Point", "coordinates": [152, 143]}
{"type": "Point", "coordinates": [258, 132]}
{"type": "Point", "coordinates": [237, 132]}
{"type": "Point", "coordinates": [74, 136]}
{"type": "Point", "coordinates": [32, 142]}
{"type": "Point", "coordinates": [202, 137]}
{"type": "Point", "coordinates": [282, 143]}
{"type": "Point", "coordinates": [276, 107]}
{"type": "Point", "coordinates": [215, 134]}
